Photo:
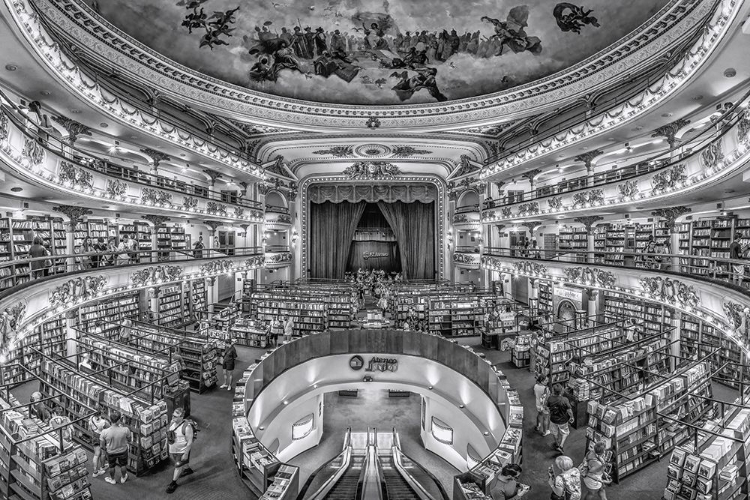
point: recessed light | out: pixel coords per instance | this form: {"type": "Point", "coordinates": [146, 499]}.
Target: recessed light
{"type": "Point", "coordinates": [638, 128]}
{"type": "Point", "coordinates": [182, 154]}
{"type": "Point", "coordinates": [11, 67]}
{"type": "Point", "coordinates": [45, 93]}
{"type": "Point", "coordinates": [729, 72]}
{"type": "Point", "coordinates": [76, 111]}
{"type": "Point", "coordinates": [16, 189]}
{"type": "Point", "coordinates": [698, 97]}
{"type": "Point", "coordinates": [667, 115]}
{"type": "Point", "coordinates": [134, 137]}
{"type": "Point", "coordinates": [104, 125]}
{"type": "Point", "coordinates": [106, 207]}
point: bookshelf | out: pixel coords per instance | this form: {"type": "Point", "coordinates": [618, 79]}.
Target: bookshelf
{"type": "Point", "coordinates": [171, 306]}
{"type": "Point", "coordinates": [635, 430]}
{"type": "Point", "coordinates": [110, 312]}
{"type": "Point", "coordinates": [33, 463]}
{"type": "Point", "coordinates": [170, 238]}
{"type": "Point", "coordinates": [600, 243]}
{"type": "Point", "coordinates": [16, 238]}
{"type": "Point", "coordinates": [307, 316]}
{"type": "Point", "coordinates": [250, 332]}
{"type": "Point", "coordinates": [573, 238]}
{"type": "Point", "coordinates": [198, 303]}
{"type": "Point", "coordinates": [614, 245]}
{"type": "Point", "coordinates": [147, 421]}
{"type": "Point", "coordinates": [653, 316]}
{"type": "Point", "coordinates": [200, 356]}
{"type": "Point", "coordinates": [139, 232]}
{"type": "Point", "coordinates": [545, 298]}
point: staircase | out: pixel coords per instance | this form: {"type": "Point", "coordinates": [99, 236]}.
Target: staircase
{"type": "Point", "coordinates": [396, 485]}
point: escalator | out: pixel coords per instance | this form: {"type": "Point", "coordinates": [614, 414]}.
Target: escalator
{"type": "Point", "coordinates": [396, 486]}
{"type": "Point", "coordinates": [346, 487]}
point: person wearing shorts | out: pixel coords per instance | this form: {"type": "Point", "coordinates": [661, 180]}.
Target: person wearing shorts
{"type": "Point", "coordinates": [114, 440]}
{"type": "Point", "coordinates": [97, 424]}
{"type": "Point", "coordinates": [180, 443]}
{"type": "Point", "coordinates": [596, 477]}
{"type": "Point", "coordinates": [560, 415]}
{"type": "Point", "coordinates": [541, 393]}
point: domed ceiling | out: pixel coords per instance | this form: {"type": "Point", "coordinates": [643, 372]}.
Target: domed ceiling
{"type": "Point", "coordinates": [378, 52]}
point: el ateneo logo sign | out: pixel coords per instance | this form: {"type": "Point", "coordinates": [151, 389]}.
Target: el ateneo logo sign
{"type": "Point", "coordinates": [375, 364]}
{"type": "Point", "coordinates": [374, 255]}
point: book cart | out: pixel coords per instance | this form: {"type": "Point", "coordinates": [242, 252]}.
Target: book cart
{"type": "Point", "coordinates": [37, 460]}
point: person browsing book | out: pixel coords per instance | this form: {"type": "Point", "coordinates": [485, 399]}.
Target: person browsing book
{"type": "Point", "coordinates": [114, 440]}
{"type": "Point", "coordinates": [227, 363]}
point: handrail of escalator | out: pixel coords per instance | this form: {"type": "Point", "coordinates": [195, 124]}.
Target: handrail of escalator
{"type": "Point", "coordinates": [346, 458]}
{"type": "Point", "coordinates": [371, 484]}
{"type": "Point", "coordinates": [413, 483]}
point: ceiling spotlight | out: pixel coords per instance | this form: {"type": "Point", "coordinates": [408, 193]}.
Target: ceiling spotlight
{"type": "Point", "coordinates": [11, 67]}
{"type": "Point", "coordinates": [559, 168]}
{"type": "Point", "coordinates": [628, 148]}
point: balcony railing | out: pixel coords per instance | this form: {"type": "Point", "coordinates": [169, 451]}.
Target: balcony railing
{"type": "Point", "coordinates": [655, 163]}
{"type": "Point", "coordinates": [22, 272]}
{"type": "Point", "coordinates": [467, 209]}
{"type": "Point", "coordinates": [276, 210]}
{"type": "Point", "coordinates": [715, 155]}
{"type": "Point", "coordinates": [87, 164]}
{"type": "Point", "coordinates": [582, 118]}
{"type": "Point", "coordinates": [726, 271]}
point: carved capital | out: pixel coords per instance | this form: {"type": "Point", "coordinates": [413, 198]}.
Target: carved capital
{"type": "Point", "coordinates": [75, 214]}
{"type": "Point", "coordinates": [671, 214]}
{"type": "Point", "coordinates": [669, 130]}
{"type": "Point", "coordinates": [531, 174]}
{"type": "Point", "coordinates": [73, 128]}
{"type": "Point", "coordinates": [588, 221]}
{"type": "Point", "coordinates": [214, 225]}
{"type": "Point", "coordinates": [156, 220]}
{"type": "Point", "coordinates": [588, 157]}
{"type": "Point", "coordinates": [156, 156]}
{"type": "Point", "coordinates": [213, 174]}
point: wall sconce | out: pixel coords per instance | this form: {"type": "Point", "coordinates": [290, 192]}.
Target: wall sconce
{"type": "Point", "coordinates": [295, 235]}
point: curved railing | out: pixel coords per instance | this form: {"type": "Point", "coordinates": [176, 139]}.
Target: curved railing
{"type": "Point", "coordinates": [30, 24]}
{"type": "Point", "coordinates": [713, 161]}
{"type": "Point", "coordinates": [48, 161]}
{"type": "Point", "coordinates": [461, 359]}
{"type": "Point", "coordinates": [652, 164]}
{"type": "Point", "coordinates": [706, 40]}
{"type": "Point", "coordinates": [659, 277]}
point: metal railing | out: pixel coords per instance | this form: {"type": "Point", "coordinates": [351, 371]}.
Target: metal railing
{"type": "Point", "coordinates": [467, 209]}
{"type": "Point", "coordinates": [21, 271]}
{"type": "Point", "coordinates": [695, 266]}
{"type": "Point", "coordinates": [657, 162]}
{"type": "Point", "coordinates": [91, 162]}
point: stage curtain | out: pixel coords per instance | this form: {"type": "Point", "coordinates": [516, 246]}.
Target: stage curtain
{"type": "Point", "coordinates": [332, 228]}
{"type": "Point", "coordinates": [381, 255]}
{"type": "Point", "coordinates": [414, 227]}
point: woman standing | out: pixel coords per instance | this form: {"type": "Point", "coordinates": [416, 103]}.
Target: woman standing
{"type": "Point", "coordinates": [97, 423]}
{"type": "Point", "coordinates": [227, 363]}
{"type": "Point", "coordinates": [541, 393]}
{"type": "Point", "coordinates": [596, 477]}
{"type": "Point", "coordinates": [86, 248]}
{"type": "Point", "coordinates": [37, 250]}
{"type": "Point", "coordinates": [564, 479]}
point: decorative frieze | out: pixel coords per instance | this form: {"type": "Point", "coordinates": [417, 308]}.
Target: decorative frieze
{"type": "Point", "coordinates": [590, 276]}
{"type": "Point", "coordinates": [213, 208]}
{"type": "Point", "coordinates": [217, 267]}
{"type": "Point", "coordinates": [588, 198]}
{"type": "Point", "coordinates": [588, 221]}
{"type": "Point", "coordinates": [116, 188]}
{"type": "Point", "coordinates": [628, 190]}
{"type": "Point", "coordinates": [528, 268]}
{"type": "Point", "coordinates": [670, 215]}
{"type": "Point", "coordinates": [150, 196]}
{"type": "Point", "coordinates": [671, 291]}
{"type": "Point", "coordinates": [77, 290]}
{"type": "Point", "coordinates": [156, 220]}
{"type": "Point", "coordinates": [408, 151]}
{"type": "Point", "coordinates": [336, 152]}
{"type": "Point", "coordinates": [33, 151]}
{"type": "Point", "coordinates": [74, 213]}
{"type": "Point", "coordinates": [371, 171]}
{"type": "Point", "coordinates": [190, 204]}
{"type": "Point", "coordinates": [555, 203]}
{"type": "Point", "coordinates": [73, 128]}
{"type": "Point", "coordinates": [156, 275]}
{"type": "Point", "coordinates": [73, 176]}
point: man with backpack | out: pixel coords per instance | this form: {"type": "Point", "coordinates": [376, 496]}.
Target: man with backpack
{"type": "Point", "coordinates": [180, 436]}
{"type": "Point", "coordinates": [560, 415]}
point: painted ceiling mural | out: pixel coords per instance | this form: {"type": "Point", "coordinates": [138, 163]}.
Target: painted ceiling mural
{"type": "Point", "coordinates": [378, 52]}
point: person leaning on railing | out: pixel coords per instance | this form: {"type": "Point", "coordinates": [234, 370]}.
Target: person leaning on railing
{"type": "Point", "coordinates": [39, 268]}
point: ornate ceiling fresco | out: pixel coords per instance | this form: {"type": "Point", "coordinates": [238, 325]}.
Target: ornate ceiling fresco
{"type": "Point", "coordinates": [378, 52]}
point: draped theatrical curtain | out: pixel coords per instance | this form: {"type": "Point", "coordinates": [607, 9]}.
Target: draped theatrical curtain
{"type": "Point", "coordinates": [332, 228]}
{"type": "Point", "coordinates": [414, 227]}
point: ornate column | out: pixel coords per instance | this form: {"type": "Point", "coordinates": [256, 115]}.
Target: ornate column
{"type": "Point", "coordinates": [670, 216]}
{"type": "Point", "coordinates": [213, 226]}
{"type": "Point", "coordinates": [213, 174]}
{"type": "Point", "coordinates": [669, 131]}
{"type": "Point", "coordinates": [156, 158]}
{"type": "Point", "coordinates": [588, 161]}
{"type": "Point", "coordinates": [71, 321]}
{"type": "Point", "coordinates": [588, 222]}
{"type": "Point", "coordinates": [75, 215]}
{"type": "Point", "coordinates": [212, 295]}
{"type": "Point", "coordinates": [593, 309]}
{"type": "Point", "coordinates": [158, 221]}
{"type": "Point", "coordinates": [74, 130]}
{"type": "Point", "coordinates": [531, 175]}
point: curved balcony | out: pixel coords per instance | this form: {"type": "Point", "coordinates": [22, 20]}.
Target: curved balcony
{"type": "Point", "coordinates": [277, 218]}
{"type": "Point", "coordinates": [53, 291]}
{"type": "Point", "coordinates": [467, 257]}
{"type": "Point", "coordinates": [277, 256]}
{"type": "Point", "coordinates": [713, 160]}
{"type": "Point", "coordinates": [31, 27]}
{"type": "Point", "coordinates": [698, 286]}
{"type": "Point", "coordinates": [703, 45]}
{"type": "Point", "coordinates": [467, 218]}
{"type": "Point", "coordinates": [50, 162]}
{"type": "Point", "coordinates": [296, 372]}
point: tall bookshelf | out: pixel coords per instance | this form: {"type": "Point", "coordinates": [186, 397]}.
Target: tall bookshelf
{"type": "Point", "coordinates": [545, 298]}
{"type": "Point", "coordinates": [600, 243]}
{"type": "Point", "coordinates": [308, 316]}
{"type": "Point", "coordinates": [653, 316]}
{"type": "Point", "coordinates": [47, 338]}
{"type": "Point", "coordinates": [198, 303]}
{"type": "Point", "coordinates": [171, 306]}
{"type": "Point", "coordinates": [137, 231]}
{"type": "Point", "coordinates": [170, 238]}
{"type": "Point", "coordinates": [635, 430]}
{"type": "Point", "coordinates": [459, 317]}
{"type": "Point", "coordinates": [614, 245]}
{"type": "Point", "coordinates": [573, 238]}
{"type": "Point", "coordinates": [110, 312]}
{"type": "Point", "coordinates": [147, 421]}
{"type": "Point", "coordinates": [16, 238]}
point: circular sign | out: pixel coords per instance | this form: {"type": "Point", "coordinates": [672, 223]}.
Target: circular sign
{"type": "Point", "coordinates": [356, 363]}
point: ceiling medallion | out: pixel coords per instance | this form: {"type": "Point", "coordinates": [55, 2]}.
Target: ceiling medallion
{"type": "Point", "coordinates": [372, 150]}
{"type": "Point", "coordinates": [372, 171]}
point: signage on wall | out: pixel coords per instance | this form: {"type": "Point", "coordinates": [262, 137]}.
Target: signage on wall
{"type": "Point", "coordinates": [374, 255]}
{"type": "Point", "coordinates": [374, 365]}
{"type": "Point", "coordinates": [569, 293]}
{"type": "Point", "coordinates": [356, 363]}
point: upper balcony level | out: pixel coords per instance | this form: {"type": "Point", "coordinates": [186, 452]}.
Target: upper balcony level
{"type": "Point", "coordinates": [716, 155]}
{"type": "Point", "coordinates": [45, 160]}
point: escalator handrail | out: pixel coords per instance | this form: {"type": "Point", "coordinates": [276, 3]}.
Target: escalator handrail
{"type": "Point", "coordinates": [371, 469]}
{"type": "Point", "coordinates": [413, 483]}
{"type": "Point", "coordinates": [331, 481]}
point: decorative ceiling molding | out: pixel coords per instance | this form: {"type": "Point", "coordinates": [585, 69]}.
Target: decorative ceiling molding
{"type": "Point", "coordinates": [408, 151]}
{"type": "Point", "coordinates": [80, 22]}
{"type": "Point", "coordinates": [336, 151]}
{"type": "Point", "coordinates": [372, 171]}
